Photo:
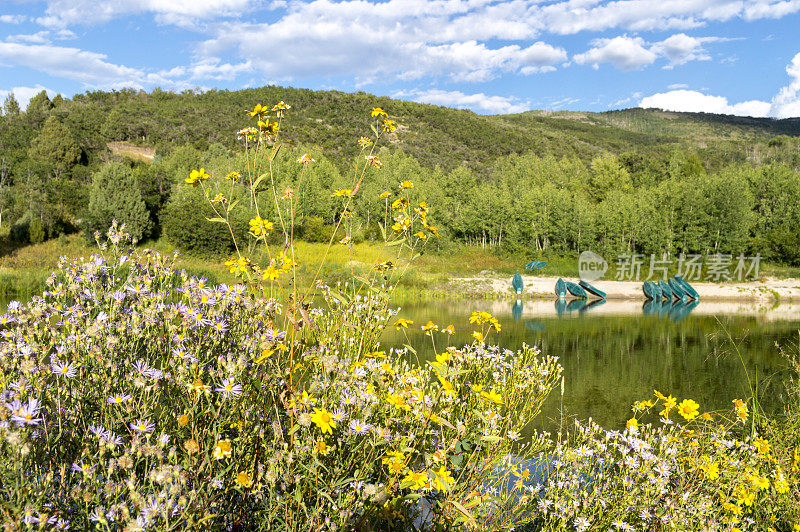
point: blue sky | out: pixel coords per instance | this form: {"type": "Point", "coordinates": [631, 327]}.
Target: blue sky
{"type": "Point", "coordinates": [723, 56]}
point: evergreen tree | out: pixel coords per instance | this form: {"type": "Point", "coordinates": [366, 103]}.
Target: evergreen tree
{"type": "Point", "coordinates": [116, 195]}
{"type": "Point", "coordinates": [38, 109]}
{"type": "Point", "coordinates": [11, 106]}
{"type": "Point", "coordinates": [55, 147]}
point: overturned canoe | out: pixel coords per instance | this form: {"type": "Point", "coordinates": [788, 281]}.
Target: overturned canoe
{"type": "Point", "coordinates": [690, 291]}
{"type": "Point", "coordinates": [665, 290]}
{"type": "Point", "coordinates": [561, 288]}
{"type": "Point", "coordinates": [657, 294]}
{"type": "Point", "coordinates": [677, 291]}
{"type": "Point", "coordinates": [576, 290]}
{"type": "Point", "coordinates": [535, 265]}
{"type": "Point", "coordinates": [592, 290]}
{"type": "Point", "coordinates": [649, 290]}
{"type": "Point", "coordinates": [517, 284]}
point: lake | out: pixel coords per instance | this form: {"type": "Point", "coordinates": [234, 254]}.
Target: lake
{"type": "Point", "coordinates": [617, 352]}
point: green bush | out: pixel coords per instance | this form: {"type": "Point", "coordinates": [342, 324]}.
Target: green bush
{"type": "Point", "coordinates": [115, 195]}
{"type": "Point", "coordinates": [185, 224]}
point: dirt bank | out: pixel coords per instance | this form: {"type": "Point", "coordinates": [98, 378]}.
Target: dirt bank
{"type": "Point", "coordinates": [542, 287]}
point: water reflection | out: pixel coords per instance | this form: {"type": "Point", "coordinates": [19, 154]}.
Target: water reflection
{"type": "Point", "coordinates": [616, 352]}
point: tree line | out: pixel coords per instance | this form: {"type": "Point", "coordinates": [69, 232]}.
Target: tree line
{"type": "Point", "coordinates": [612, 191]}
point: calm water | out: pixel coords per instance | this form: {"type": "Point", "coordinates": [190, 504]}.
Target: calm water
{"type": "Point", "coordinates": [618, 352]}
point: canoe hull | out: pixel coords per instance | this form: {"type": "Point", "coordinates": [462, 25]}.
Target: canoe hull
{"type": "Point", "coordinates": [592, 290]}
{"type": "Point", "coordinates": [561, 288]}
{"type": "Point", "coordinates": [576, 290]}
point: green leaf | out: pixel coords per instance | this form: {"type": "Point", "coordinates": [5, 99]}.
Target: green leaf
{"type": "Point", "coordinates": [258, 180]}
{"type": "Point", "coordinates": [217, 219]}
{"type": "Point", "coordinates": [463, 510]}
{"type": "Point", "coordinates": [395, 242]}
{"type": "Point", "coordinates": [383, 231]}
{"type": "Point", "coordinates": [232, 205]}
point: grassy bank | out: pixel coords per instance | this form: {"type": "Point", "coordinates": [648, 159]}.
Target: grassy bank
{"type": "Point", "coordinates": [23, 270]}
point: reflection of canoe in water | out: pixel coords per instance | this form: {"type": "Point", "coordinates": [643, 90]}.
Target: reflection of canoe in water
{"type": "Point", "coordinates": [648, 290]}
{"type": "Point", "coordinates": [516, 310]}
{"type": "Point", "coordinates": [561, 306]}
{"type": "Point", "coordinates": [665, 290]}
{"type": "Point", "coordinates": [576, 304]}
{"type": "Point", "coordinates": [651, 307]}
{"type": "Point", "coordinates": [677, 291]}
{"type": "Point", "coordinates": [517, 284]}
{"type": "Point", "coordinates": [592, 290]}
{"type": "Point", "coordinates": [593, 304]}
{"type": "Point", "coordinates": [561, 288]}
{"type": "Point", "coordinates": [535, 265]}
{"type": "Point", "coordinates": [681, 309]}
{"type": "Point", "coordinates": [689, 289]}
{"type": "Point", "coordinates": [576, 290]}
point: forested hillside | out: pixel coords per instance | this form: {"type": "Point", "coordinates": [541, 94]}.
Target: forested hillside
{"type": "Point", "coordinates": [636, 180]}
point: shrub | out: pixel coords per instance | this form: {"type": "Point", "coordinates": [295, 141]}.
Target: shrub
{"type": "Point", "coordinates": [185, 224]}
{"type": "Point", "coordinates": [115, 195]}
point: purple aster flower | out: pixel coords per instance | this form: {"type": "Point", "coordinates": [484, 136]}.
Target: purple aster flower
{"type": "Point", "coordinates": [221, 326]}
{"type": "Point", "coordinates": [65, 370]}
{"type": "Point", "coordinates": [339, 415]}
{"type": "Point", "coordinates": [6, 319]}
{"type": "Point", "coordinates": [27, 414]}
{"type": "Point", "coordinates": [229, 387]}
{"type": "Point", "coordinates": [119, 398]}
{"type": "Point", "coordinates": [359, 428]}
{"type": "Point", "coordinates": [142, 426]}
{"type": "Point", "coordinates": [80, 467]}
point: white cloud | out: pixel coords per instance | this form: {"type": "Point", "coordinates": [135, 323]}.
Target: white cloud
{"type": "Point", "coordinates": [23, 95]}
{"type": "Point", "coordinates": [479, 102]}
{"type": "Point", "coordinates": [696, 102]}
{"type": "Point", "coordinates": [785, 104]}
{"type": "Point", "coordinates": [681, 48]}
{"type": "Point", "coordinates": [178, 12]}
{"type": "Point", "coordinates": [678, 86]}
{"type": "Point", "coordinates": [625, 53]}
{"type": "Point", "coordinates": [89, 68]}
{"type": "Point", "coordinates": [13, 19]}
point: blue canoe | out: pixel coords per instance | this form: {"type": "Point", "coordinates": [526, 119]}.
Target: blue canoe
{"type": "Point", "coordinates": [665, 289]}
{"type": "Point", "coordinates": [576, 290]}
{"type": "Point", "coordinates": [687, 287]}
{"type": "Point", "coordinates": [517, 283]}
{"type": "Point", "coordinates": [679, 292]}
{"type": "Point", "coordinates": [535, 265]}
{"type": "Point", "coordinates": [592, 290]}
{"type": "Point", "coordinates": [657, 295]}
{"type": "Point", "coordinates": [561, 288]}
{"type": "Point", "coordinates": [649, 290]}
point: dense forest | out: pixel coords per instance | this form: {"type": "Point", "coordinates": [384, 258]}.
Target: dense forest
{"type": "Point", "coordinates": [636, 180]}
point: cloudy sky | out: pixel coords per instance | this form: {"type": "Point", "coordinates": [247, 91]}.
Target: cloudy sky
{"type": "Point", "coordinates": [721, 56]}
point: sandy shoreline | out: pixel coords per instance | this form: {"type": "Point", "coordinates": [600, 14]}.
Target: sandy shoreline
{"type": "Point", "coordinates": [542, 287]}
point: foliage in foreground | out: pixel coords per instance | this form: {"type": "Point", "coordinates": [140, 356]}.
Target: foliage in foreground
{"type": "Point", "coordinates": [138, 397]}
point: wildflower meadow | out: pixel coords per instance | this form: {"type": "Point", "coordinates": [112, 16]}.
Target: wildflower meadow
{"type": "Point", "coordinates": [138, 397]}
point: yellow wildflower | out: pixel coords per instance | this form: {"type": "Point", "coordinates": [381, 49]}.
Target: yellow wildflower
{"type": "Point", "coordinates": [689, 409]}
{"type": "Point", "coordinates": [406, 184]}
{"type": "Point", "coordinates": [402, 323]}
{"type": "Point", "coordinates": [259, 226]}
{"type": "Point", "coordinates": [632, 423]}
{"type": "Point", "coordinates": [415, 480]}
{"type": "Point", "coordinates": [443, 479]}
{"type": "Point", "coordinates": [323, 419]}
{"type": "Point", "coordinates": [257, 111]}
{"type": "Point", "coordinates": [450, 329]}
{"type": "Point", "coordinates": [244, 480]}
{"type": "Point", "coordinates": [232, 175]}
{"type": "Point", "coordinates": [198, 386]}
{"type": "Point", "coordinates": [741, 410]}
{"type": "Point", "coordinates": [342, 192]}
{"type": "Point", "coordinates": [196, 176]}
{"type": "Point", "coordinates": [270, 273]}
{"type": "Point", "coordinates": [443, 358]}
{"type": "Point", "coordinates": [305, 159]}
{"type": "Point", "coordinates": [493, 396]}
{"type": "Point", "coordinates": [322, 448]}
{"type": "Point", "coordinates": [364, 142]}
{"type": "Point", "coordinates": [373, 161]}
{"type": "Point", "coordinates": [430, 326]}
{"type": "Point", "coordinates": [222, 450]}
{"type": "Point", "coordinates": [280, 109]}
{"type": "Point", "coordinates": [388, 126]}
{"type": "Point", "coordinates": [378, 112]}
{"type": "Point", "coordinates": [183, 420]}
{"type": "Point", "coordinates": [385, 194]}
